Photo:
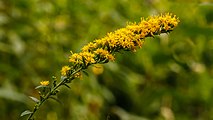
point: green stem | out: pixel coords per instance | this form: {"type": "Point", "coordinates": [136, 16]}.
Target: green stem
{"type": "Point", "coordinates": [37, 106]}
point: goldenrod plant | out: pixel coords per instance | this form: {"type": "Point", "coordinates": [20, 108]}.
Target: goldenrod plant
{"type": "Point", "coordinates": [101, 51]}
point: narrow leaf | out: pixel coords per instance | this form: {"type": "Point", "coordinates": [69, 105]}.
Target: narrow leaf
{"type": "Point", "coordinates": [63, 78]}
{"type": "Point", "coordinates": [41, 86]}
{"type": "Point", "coordinates": [67, 85]}
{"type": "Point", "coordinates": [34, 99]}
{"type": "Point", "coordinates": [26, 112]}
{"type": "Point", "coordinates": [83, 58]}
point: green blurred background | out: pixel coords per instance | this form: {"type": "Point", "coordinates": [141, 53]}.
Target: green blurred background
{"type": "Point", "coordinates": [170, 78]}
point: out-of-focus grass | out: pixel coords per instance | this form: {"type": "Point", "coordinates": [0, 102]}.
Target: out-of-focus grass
{"type": "Point", "coordinates": [169, 78]}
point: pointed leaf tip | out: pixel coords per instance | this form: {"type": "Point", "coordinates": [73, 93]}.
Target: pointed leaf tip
{"type": "Point", "coordinates": [26, 112]}
{"type": "Point", "coordinates": [41, 86]}
{"type": "Point", "coordinates": [34, 99]}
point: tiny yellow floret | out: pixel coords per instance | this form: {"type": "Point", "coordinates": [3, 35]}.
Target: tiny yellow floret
{"type": "Point", "coordinates": [64, 70]}
{"type": "Point", "coordinates": [45, 83]}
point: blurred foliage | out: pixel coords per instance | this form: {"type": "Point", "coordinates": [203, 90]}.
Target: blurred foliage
{"type": "Point", "coordinates": [169, 78]}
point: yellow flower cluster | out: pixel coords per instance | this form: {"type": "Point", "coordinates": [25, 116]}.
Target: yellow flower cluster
{"type": "Point", "coordinates": [80, 58]}
{"type": "Point", "coordinates": [129, 38]}
{"type": "Point", "coordinates": [78, 75]}
{"type": "Point", "coordinates": [104, 54]}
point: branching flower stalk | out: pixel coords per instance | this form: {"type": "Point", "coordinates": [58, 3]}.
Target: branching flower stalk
{"type": "Point", "coordinates": [102, 51]}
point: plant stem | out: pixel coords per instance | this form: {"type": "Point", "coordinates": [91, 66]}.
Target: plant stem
{"type": "Point", "coordinates": [37, 105]}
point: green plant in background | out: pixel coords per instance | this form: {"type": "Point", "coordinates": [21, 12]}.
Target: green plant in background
{"type": "Point", "coordinates": [102, 51]}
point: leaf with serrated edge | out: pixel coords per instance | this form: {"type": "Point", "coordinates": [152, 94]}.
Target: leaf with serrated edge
{"type": "Point", "coordinates": [26, 112]}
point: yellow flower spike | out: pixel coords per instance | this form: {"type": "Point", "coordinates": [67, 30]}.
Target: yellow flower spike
{"type": "Point", "coordinates": [45, 83]}
{"type": "Point", "coordinates": [128, 38]}
{"type": "Point", "coordinates": [64, 70]}
{"type": "Point", "coordinates": [102, 50]}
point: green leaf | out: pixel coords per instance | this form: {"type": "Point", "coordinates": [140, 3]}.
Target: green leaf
{"type": "Point", "coordinates": [34, 99]}
{"type": "Point", "coordinates": [26, 112]}
{"type": "Point", "coordinates": [67, 85]}
{"type": "Point", "coordinates": [41, 86]}
{"type": "Point", "coordinates": [63, 78]}
{"type": "Point", "coordinates": [104, 61]}
{"type": "Point", "coordinates": [83, 58]}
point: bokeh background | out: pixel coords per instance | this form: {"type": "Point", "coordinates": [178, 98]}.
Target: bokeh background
{"type": "Point", "coordinates": [170, 78]}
